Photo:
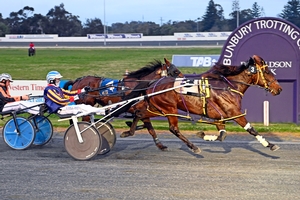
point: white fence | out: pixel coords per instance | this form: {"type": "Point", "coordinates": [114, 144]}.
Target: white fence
{"type": "Point", "coordinates": [204, 36]}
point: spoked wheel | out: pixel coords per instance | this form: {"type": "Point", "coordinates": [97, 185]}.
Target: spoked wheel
{"type": "Point", "coordinates": [92, 141]}
{"type": "Point", "coordinates": [44, 130]}
{"type": "Point", "coordinates": [108, 133]}
{"type": "Point", "coordinates": [18, 140]}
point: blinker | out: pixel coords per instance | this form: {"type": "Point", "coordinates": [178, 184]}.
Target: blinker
{"type": "Point", "coordinates": [252, 69]}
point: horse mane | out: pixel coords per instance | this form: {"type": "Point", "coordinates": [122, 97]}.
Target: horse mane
{"type": "Point", "coordinates": [144, 71]}
{"type": "Point", "coordinates": [226, 70]}
{"type": "Point", "coordinates": [83, 77]}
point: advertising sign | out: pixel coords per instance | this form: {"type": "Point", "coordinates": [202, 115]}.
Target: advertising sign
{"type": "Point", "coordinates": [194, 60]}
{"type": "Point", "coordinates": [26, 87]}
{"type": "Point", "coordinates": [278, 42]}
{"type": "Point", "coordinates": [202, 35]}
{"type": "Point", "coordinates": [33, 36]}
{"type": "Point", "coordinates": [114, 36]}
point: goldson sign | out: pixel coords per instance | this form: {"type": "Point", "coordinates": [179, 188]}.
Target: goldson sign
{"type": "Point", "coordinates": [278, 42]}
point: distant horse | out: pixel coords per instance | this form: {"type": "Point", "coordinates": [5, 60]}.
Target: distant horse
{"type": "Point", "coordinates": [217, 97]}
{"type": "Point", "coordinates": [31, 51]}
{"type": "Point", "coordinates": [105, 91]}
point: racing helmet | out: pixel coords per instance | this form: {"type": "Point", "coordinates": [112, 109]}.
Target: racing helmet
{"type": "Point", "coordinates": [51, 76]}
{"type": "Point", "coordinates": [5, 76]}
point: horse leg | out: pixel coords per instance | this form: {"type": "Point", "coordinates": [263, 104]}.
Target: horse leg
{"type": "Point", "coordinates": [247, 126]}
{"type": "Point", "coordinates": [221, 137]}
{"type": "Point", "coordinates": [132, 128]}
{"type": "Point", "coordinates": [86, 118]}
{"type": "Point", "coordinates": [173, 126]}
{"type": "Point", "coordinates": [148, 125]}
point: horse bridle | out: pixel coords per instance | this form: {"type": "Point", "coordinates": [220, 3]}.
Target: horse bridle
{"type": "Point", "coordinates": [261, 70]}
{"type": "Point", "coordinates": [170, 71]}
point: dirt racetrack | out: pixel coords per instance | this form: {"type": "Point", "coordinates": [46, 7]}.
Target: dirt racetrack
{"type": "Point", "coordinates": [238, 168]}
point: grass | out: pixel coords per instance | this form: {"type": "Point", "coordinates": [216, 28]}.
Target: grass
{"type": "Point", "coordinates": [74, 63]}
{"type": "Point", "coordinates": [162, 125]}
{"type": "Point", "coordinates": [112, 63]}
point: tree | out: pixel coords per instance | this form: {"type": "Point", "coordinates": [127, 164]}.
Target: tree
{"type": "Point", "coordinates": [239, 17]}
{"type": "Point", "coordinates": [148, 28]}
{"type": "Point", "coordinates": [291, 12]}
{"type": "Point", "coordinates": [246, 15]}
{"type": "Point", "coordinates": [213, 16]}
{"type": "Point", "coordinates": [93, 26]}
{"type": "Point", "coordinates": [235, 14]}
{"type": "Point", "coordinates": [220, 22]}
{"type": "Point", "coordinates": [256, 11]}
{"type": "Point", "coordinates": [3, 29]}
{"type": "Point", "coordinates": [59, 21]}
{"type": "Point", "coordinates": [62, 22]}
{"type": "Point", "coordinates": [181, 26]}
{"type": "Point", "coordinates": [19, 22]}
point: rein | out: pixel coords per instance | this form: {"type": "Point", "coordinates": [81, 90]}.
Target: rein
{"type": "Point", "coordinates": [100, 88]}
{"type": "Point", "coordinates": [260, 75]}
{"type": "Point", "coordinates": [120, 92]}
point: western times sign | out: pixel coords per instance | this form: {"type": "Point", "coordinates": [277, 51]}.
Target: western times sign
{"type": "Point", "coordinates": [194, 60]}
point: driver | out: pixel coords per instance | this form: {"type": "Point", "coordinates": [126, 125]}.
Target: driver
{"type": "Point", "coordinates": [57, 99]}
{"type": "Point", "coordinates": [31, 45]}
{"type": "Point", "coordinates": [7, 102]}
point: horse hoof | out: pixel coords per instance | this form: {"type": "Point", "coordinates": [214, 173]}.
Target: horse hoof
{"type": "Point", "coordinates": [274, 148]}
{"type": "Point", "coordinates": [125, 134]}
{"type": "Point", "coordinates": [222, 136]}
{"type": "Point", "coordinates": [162, 147]}
{"type": "Point", "coordinates": [200, 134]}
{"type": "Point", "coordinates": [197, 151]}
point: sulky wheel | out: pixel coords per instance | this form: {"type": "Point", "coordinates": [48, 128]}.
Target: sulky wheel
{"type": "Point", "coordinates": [44, 130]}
{"type": "Point", "coordinates": [108, 133]}
{"type": "Point", "coordinates": [91, 141]}
{"type": "Point", "coordinates": [21, 139]}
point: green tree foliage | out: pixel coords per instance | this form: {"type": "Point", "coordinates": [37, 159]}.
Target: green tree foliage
{"type": "Point", "coordinates": [211, 16]}
{"type": "Point", "coordinates": [257, 11]}
{"type": "Point", "coordinates": [239, 17]}
{"type": "Point", "coordinates": [20, 22]}
{"type": "Point", "coordinates": [62, 22]}
{"type": "Point", "coordinates": [291, 12]}
{"type": "Point", "coordinates": [3, 27]}
{"type": "Point", "coordinates": [59, 21]}
{"type": "Point", "coordinates": [93, 26]}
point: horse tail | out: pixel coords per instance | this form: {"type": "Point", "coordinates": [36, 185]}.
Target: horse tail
{"type": "Point", "coordinates": [67, 84]}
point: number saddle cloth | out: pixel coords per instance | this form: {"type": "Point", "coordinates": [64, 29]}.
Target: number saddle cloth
{"type": "Point", "coordinates": [200, 88]}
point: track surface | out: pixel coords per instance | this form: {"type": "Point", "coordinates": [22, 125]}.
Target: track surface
{"type": "Point", "coordinates": [238, 168]}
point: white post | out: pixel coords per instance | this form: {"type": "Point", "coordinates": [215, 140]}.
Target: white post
{"type": "Point", "coordinates": [266, 113]}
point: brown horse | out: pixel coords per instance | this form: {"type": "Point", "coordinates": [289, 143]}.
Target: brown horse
{"type": "Point", "coordinates": [107, 91]}
{"type": "Point", "coordinates": [217, 98]}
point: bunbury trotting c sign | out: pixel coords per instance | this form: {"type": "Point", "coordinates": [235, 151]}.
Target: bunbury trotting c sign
{"type": "Point", "coordinates": [278, 42]}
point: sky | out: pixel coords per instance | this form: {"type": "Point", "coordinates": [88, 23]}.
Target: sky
{"type": "Point", "coordinates": [158, 11]}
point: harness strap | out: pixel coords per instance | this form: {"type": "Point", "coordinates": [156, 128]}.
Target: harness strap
{"type": "Point", "coordinates": [187, 110]}
{"type": "Point", "coordinates": [204, 91]}
{"type": "Point", "coordinates": [236, 91]}
{"type": "Point", "coordinates": [220, 122]}
{"type": "Point", "coordinates": [165, 115]}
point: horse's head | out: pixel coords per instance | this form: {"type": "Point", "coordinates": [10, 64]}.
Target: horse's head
{"type": "Point", "coordinates": [169, 69]}
{"type": "Point", "coordinates": [262, 76]}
